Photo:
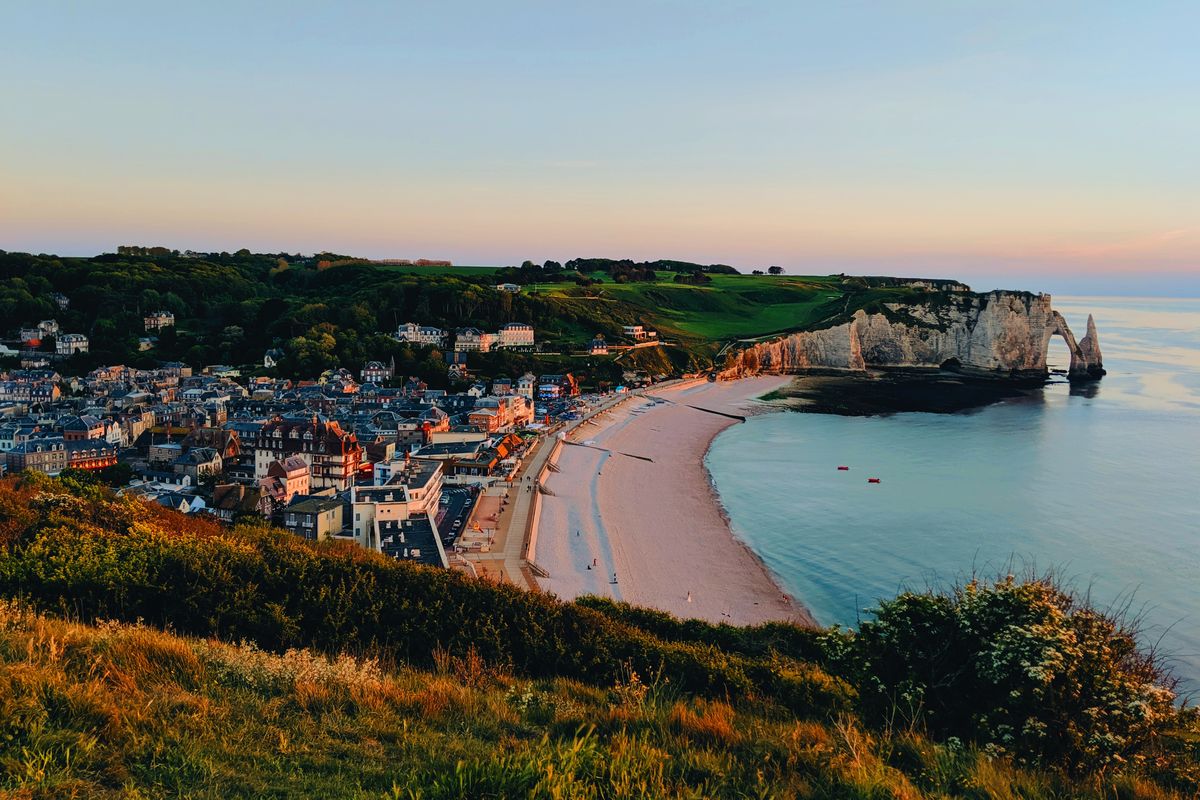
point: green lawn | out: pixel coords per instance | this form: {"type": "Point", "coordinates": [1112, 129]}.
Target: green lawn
{"type": "Point", "coordinates": [731, 307]}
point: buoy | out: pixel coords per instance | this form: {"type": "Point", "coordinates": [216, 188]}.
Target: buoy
{"type": "Point", "coordinates": [843, 469]}
{"type": "Point", "coordinates": [872, 480]}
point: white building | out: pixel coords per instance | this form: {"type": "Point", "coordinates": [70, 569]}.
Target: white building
{"type": "Point", "coordinates": [420, 334]}
{"type": "Point", "coordinates": [158, 320]}
{"type": "Point", "coordinates": [512, 288]}
{"type": "Point", "coordinates": [71, 343]}
{"type": "Point", "coordinates": [527, 385]}
{"type": "Point", "coordinates": [473, 339]}
{"type": "Point", "coordinates": [637, 332]}
{"type": "Point", "coordinates": [403, 488]}
{"type": "Point", "coordinates": [516, 335]}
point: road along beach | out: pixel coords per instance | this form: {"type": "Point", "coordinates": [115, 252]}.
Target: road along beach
{"type": "Point", "coordinates": [631, 513]}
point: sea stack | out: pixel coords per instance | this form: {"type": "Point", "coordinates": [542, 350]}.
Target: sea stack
{"type": "Point", "coordinates": [1092, 366]}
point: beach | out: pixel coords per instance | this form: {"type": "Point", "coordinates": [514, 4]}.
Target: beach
{"type": "Point", "coordinates": [632, 514]}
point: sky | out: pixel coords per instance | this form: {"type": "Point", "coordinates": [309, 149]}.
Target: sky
{"type": "Point", "coordinates": [996, 142]}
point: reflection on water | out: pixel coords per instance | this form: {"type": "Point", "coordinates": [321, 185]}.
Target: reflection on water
{"type": "Point", "coordinates": [1088, 389]}
{"type": "Point", "coordinates": [1098, 479]}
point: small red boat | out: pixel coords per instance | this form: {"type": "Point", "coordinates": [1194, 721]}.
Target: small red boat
{"type": "Point", "coordinates": [872, 480]}
{"type": "Point", "coordinates": [843, 469]}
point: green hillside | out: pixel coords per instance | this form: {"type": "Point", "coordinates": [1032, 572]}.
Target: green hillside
{"type": "Point", "coordinates": [247, 663]}
{"type": "Point", "coordinates": [328, 310]}
{"type": "Point", "coordinates": [730, 307]}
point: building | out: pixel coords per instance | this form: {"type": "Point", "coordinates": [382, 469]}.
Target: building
{"type": "Point", "coordinates": [512, 288]}
{"type": "Point", "coordinates": [90, 454]}
{"type": "Point", "coordinates": [598, 347]}
{"type": "Point", "coordinates": [420, 334]}
{"type": "Point", "coordinates": [225, 442]}
{"type": "Point", "coordinates": [516, 336]}
{"type": "Point", "coordinates": [40, 455]}
{"type": "Point", "coordinates": [315, 517]}
{"type": "Point", "coordinates": [638, 333]}
{"type": "Point", "coordinates": [554, 387]}
{"type": "Point", "coordinates": [164, 454]}
{"type": "Point", "coordinates": [484, 462]}
{"type": "Point", "coordinates": [333, 455]}
{"type": "Point", "coordinates": [285, 479]}
{"type": "Point", "coordinates": [421, 481]}
{"type": "Point", "coordinates": [233, 500]}
{"type": "Point", "coordinates": [158, 320]}
{"type": "Point", "coordinates": [472, 340]}
{"type": "Point", "coordinates": [378, 372]}
{"type": "Point", "coordinates": [198, 462]}
{"type": "Point", "coordinates": [415, 539]}
{"type": "Point", "coordinates": [501, 414]}
{"type": "Point", "coordinates": [76, 429]}
{"type": "Point", "coordinates": [271, 357]}
{"type": "Point", "coordinates": [527, 385]}
{"type": "Point", "coordinates": [146, 343]}
{"type": "Point", "coordinates": [71, 343]}
{"type": "Point", "coordinates": [34, 360]}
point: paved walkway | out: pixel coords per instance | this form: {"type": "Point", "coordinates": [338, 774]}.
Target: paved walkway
{"type": "Point", "coordinates": [507, 560]}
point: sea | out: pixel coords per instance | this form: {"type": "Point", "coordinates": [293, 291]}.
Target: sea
{"type": "Point", "coordinates": [1098, 483]}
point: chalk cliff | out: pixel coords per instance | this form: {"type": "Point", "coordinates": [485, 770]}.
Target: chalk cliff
{"type": "Point", "coordinates": [996, 334]}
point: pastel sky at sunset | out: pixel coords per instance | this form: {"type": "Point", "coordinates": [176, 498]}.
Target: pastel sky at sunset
{"type": "Point", "coordinates": [946, 138]}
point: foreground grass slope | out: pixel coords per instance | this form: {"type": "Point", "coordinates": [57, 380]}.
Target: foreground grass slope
{"type": "Point", "coordinates": [354, 676]}
{"type": "Point", "coordinates": [118, 710]}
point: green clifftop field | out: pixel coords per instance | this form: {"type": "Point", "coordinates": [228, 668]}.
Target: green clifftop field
{"type": "Point", "coordinates": [328, 310]}
{"type": "Point", "coordinates": [147, 654]}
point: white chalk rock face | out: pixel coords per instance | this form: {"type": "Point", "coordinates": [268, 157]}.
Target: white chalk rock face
{"type": "Point", "coordinates": [997, 334]}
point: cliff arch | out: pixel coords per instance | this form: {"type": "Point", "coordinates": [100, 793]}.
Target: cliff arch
{"type": "Point", "coordinates": [1086, 361]}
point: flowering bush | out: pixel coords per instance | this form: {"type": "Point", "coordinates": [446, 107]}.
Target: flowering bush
{"type": "Point", "coordinates": [1023, 668]}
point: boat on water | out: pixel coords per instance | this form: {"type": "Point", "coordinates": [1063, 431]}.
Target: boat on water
{"type": "Point", "coordinates": [872, 480]}
{"type": "Point", "coordinates": [843, 469]}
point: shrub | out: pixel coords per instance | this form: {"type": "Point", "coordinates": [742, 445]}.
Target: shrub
{"type": "Point", "coordinates": [113, 558]}
{"type": "Point", "coordinates": [1023, 668]}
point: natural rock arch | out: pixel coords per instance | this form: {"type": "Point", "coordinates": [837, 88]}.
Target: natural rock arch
{"type": "Point", "coordinates": [1086, 361]}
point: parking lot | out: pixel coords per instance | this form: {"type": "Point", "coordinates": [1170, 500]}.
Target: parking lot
{"type": "Point", "coordinates": [453, 512]}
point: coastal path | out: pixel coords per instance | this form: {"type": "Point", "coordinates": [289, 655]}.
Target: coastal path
{"type": "Point", "coordinates": [516, 521]}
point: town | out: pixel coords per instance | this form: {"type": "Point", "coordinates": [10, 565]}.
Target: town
{"type": "Point", "coordinates": [372, 458]}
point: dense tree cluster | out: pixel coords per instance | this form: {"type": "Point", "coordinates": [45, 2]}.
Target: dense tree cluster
{"type": "Point", "coordinates": [322, 311]}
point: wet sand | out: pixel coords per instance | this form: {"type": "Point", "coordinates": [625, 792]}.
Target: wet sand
{"type": "Point", "coordinates": [656, 525]}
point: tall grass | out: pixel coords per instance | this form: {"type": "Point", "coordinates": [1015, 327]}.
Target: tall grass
{"type": "Point", "coordinates": [124, 710]}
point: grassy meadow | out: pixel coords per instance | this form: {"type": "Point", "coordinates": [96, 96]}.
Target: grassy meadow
{"type": "Point", "coordinates": [148, 654]}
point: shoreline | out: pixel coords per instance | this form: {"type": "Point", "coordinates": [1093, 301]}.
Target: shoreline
{"type": "Point", "coordinates": [633, 495]}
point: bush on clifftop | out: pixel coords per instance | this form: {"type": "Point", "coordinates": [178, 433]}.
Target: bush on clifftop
{"type": "Point", "coordinates": [1025, 669]}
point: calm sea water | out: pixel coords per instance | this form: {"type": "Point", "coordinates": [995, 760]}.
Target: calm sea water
{"type": "Point", "coordinates": [1102, 485]}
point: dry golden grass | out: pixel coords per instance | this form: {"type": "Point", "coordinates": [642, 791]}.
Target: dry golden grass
{"type": "Point", "coordinates": [710, 720]}
{"type": "Point", "coordinates": [126, 711]}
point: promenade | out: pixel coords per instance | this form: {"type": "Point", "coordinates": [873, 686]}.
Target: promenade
{"type": "Point", "coordinates": [514, 525]}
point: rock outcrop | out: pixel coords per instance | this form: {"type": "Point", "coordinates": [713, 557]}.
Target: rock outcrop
{"type": "Point", "coordinates": [995, 334]}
